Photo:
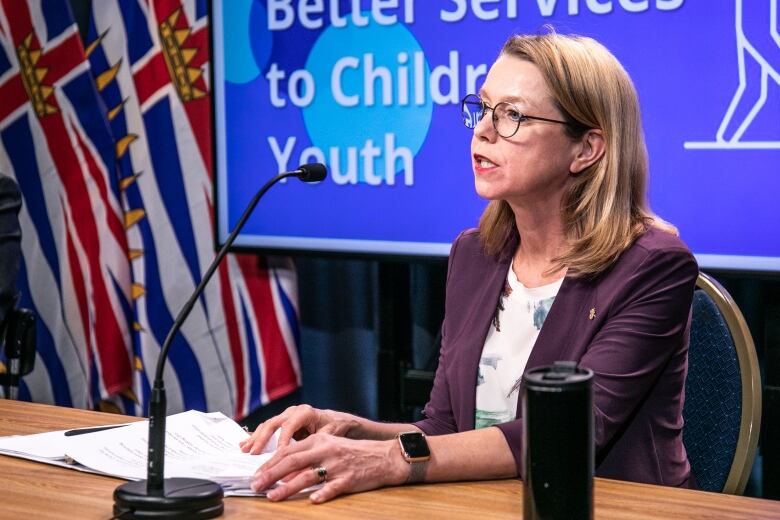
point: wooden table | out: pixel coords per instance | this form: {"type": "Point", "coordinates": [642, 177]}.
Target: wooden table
{"type": "Point", "coordinates": [34, 490]}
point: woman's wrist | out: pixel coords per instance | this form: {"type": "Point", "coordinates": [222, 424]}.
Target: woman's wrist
{"type": "Point", "coordinates": [348, 425]}
{"type": "Point", "coordinates": [399, 469]}
{"type": "Point", "coordinates": [355, 427]}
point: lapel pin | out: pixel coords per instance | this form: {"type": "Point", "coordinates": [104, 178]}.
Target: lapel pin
{"type": "Point", "coordinates": [592, 313]}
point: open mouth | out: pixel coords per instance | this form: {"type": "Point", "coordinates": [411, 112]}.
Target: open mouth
{"type": "Point", "coordinates": [483, 162]}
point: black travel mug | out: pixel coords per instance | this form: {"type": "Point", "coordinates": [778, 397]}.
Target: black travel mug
{"type": "Point", "coordinates": [557, 407]}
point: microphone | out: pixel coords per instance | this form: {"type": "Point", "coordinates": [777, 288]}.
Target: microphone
{"type": "Point", "coordinates": [312, 172]}
{"type": "Point", "coordinates": [158, 497]}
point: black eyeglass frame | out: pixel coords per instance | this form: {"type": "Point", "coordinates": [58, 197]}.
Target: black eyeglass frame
{"type": "Point", "coordinates": [476, 100]}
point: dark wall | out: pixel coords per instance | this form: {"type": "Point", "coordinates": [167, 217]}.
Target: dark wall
{"type": "Point", "coordinates": [758, 296]}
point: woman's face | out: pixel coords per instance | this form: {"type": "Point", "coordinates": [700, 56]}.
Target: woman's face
{"type": "Point", "coordinates": [533, 165]}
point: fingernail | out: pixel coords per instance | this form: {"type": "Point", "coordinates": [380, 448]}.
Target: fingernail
{"type": "Point", "coordinates": [315, 497]}
{"type": "Point", "coordinates": [272, 495]}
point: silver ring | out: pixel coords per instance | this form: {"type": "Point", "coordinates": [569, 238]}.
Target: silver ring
{"type": "Point", "coordinates": [322, 474]}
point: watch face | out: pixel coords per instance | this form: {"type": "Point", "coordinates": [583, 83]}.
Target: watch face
{"type": "Point", "coordinates": [415, 445]}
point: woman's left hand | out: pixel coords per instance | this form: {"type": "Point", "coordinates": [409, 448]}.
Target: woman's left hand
{"type": "Point", "coordinates": [350, 466]}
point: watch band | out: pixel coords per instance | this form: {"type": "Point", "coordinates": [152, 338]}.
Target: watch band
{"type": "Point", "coordinates": [416, 453]}
{"type": "Point", "coordinates": [417, 472]}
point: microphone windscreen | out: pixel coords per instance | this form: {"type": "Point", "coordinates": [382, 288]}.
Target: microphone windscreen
{"type": "Point", "coordinates": [313, 172]}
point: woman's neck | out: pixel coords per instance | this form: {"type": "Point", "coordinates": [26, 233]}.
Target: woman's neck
{"type": "Point", "coordinates": [542, 239]}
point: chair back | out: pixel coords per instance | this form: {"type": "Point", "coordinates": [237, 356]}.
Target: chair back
{"type": "Point", "coordinates": [17, 349]}
{"type": "Point", "coordinates": [722, 409]}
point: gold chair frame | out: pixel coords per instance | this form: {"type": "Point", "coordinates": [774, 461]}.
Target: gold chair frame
{"type": "Point", "coordinates": [750, 424]}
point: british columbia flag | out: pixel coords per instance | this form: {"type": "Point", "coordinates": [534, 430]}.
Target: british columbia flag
{"type": "Point", "coordinates": [110, 142]}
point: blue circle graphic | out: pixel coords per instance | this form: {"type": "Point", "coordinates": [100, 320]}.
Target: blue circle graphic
{"type": "Point", "coordinates": [247, 42]}
{"type": "Point", "coordinates": [385, 59]}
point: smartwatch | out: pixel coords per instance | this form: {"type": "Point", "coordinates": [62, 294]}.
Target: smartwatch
{"type": "Point", "coordinates": [415, 451]}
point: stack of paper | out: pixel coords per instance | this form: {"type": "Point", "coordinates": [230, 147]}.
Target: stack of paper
{"type": "Point", "coordinates": [197, 445]}
{"type": "Point", "coordinates": [46, 447]}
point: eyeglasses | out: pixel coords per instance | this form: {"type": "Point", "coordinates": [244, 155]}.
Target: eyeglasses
{"type": "Point", "coordinates": [506, 117]}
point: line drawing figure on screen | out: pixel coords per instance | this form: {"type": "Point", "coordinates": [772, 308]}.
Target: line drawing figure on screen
{"type": "Point", "coordinates": [758, 59]}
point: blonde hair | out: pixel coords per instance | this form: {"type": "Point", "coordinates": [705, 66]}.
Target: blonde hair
{"type": "Point", "coordinates": [605, 208]}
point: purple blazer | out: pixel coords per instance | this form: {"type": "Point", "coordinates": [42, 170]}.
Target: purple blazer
{"type": "Point", "coordinates": [636, 345]}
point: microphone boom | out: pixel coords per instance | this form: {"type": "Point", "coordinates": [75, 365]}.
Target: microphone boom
{"type": "Point", "coordinates": [158, 497]}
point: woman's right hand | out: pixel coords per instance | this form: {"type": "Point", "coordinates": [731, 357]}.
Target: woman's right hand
{"type": "Point", "coordinates": [298, 422]}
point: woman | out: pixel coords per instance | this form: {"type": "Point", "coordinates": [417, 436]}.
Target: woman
{"type": "Point", "coordinates": [567, 241]}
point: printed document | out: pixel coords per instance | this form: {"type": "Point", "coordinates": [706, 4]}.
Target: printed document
{"type": "Point", "coordinates": [197, 445]}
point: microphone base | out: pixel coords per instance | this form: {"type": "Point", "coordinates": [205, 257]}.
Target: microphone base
{"type": "Point", "coordinates": [182, 498]}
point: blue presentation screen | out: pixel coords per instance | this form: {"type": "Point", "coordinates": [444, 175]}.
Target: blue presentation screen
{"type": "Point", "coordinates": [372, 89]}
